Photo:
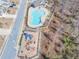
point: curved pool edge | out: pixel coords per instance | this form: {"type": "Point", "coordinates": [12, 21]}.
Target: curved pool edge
{"type": "Point", "coordinates": [42, 18]}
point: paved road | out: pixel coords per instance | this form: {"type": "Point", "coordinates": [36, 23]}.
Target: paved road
{"type": "Point", "coordinates": [10, 51]}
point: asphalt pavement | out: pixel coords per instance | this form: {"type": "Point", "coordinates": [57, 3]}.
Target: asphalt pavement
{"type": "Point", "coordinates": [9, 51]}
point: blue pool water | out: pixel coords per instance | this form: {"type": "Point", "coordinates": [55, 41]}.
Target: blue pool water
{"type": "Point", "coordinates": [36, 16]}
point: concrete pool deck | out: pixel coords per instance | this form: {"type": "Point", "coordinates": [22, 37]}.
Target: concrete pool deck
{"type": "Point", "coordinates": [42, 17]}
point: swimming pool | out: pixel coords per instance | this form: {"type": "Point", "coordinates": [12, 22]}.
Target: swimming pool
{"type": "Point", "coordinates": [36, 15]}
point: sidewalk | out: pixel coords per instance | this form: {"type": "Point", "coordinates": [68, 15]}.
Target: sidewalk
{"type": "Point", "coordinates": [4, 31]}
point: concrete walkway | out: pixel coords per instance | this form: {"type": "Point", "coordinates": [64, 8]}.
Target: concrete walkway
{"type": "Point", "coordinates": [4, 31]}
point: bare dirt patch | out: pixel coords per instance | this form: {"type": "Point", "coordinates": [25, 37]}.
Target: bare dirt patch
{"type": "Point", "coordinates": [5, 22]}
